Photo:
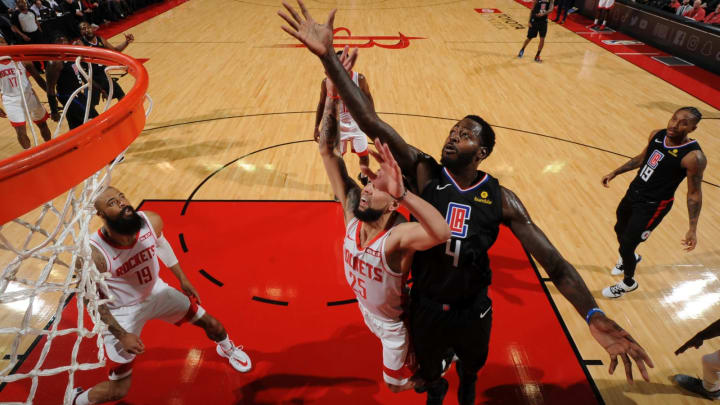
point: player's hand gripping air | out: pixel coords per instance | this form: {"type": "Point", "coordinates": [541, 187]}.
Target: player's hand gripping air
{"type": "Point", "coordinates": [388, 178]}
{"type": "Point", "coordinates": [618, 342]}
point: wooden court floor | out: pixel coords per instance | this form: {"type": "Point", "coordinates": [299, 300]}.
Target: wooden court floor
{"type": "Point", "coordinates": [226, 88]}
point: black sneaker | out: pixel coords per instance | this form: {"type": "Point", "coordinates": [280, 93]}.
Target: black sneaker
{"type": "Point", "coordinates": [695, 385]}
{"type": "Point", "coordinates": [466, 389]}
{"type": "Point", "coordinates": [436, 392]}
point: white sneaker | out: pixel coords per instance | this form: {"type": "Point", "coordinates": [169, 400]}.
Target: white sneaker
{"type": "Point", "coordinates": [238, 358]}
{"type": "Point", "coordinates": [618, 269]}
{"type": "Point", "coordinates": [76, 393]}
{"type": "Point", "coordinates": [617, 290]}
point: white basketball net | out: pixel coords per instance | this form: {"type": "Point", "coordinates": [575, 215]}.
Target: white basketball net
{"type": "Point", "coordinates": [53, 241]}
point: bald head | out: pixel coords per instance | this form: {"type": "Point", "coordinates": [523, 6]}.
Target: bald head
{"type": "Point", "coordinates": [117, 212]}
{"type": "Point", "coordinates": [102, 201]}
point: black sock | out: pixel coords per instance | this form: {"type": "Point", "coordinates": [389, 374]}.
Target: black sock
{"type": "Point", "coordinates": [629, 281]}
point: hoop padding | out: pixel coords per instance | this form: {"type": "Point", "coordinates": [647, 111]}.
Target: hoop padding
{"type": "Point", "coordinates": [42, 173]}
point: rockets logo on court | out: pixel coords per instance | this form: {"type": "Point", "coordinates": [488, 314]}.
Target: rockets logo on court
{"type": "Point", "coordinates": [456, 216]}
{"type": "Point", "coordinates": [655, 158]}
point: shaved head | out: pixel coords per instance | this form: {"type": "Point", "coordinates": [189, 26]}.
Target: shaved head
{"type": "Point", "coordinates": [117, 212]}
{"type": "Point", "coordinates": [102, 199]}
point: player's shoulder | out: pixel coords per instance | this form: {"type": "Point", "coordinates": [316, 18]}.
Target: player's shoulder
{"type": "Point", "coordinates": [155, 221]}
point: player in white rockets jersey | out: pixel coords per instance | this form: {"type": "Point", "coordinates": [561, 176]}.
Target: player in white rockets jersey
{"type": "Point", "coordinates": [379, 244]}
{"type": "Point", "coordinates": [350, 132]}
{"type": "Point", "coordinates": [12, 86]}
{"type": "Point", "coordinates": [128, 246]}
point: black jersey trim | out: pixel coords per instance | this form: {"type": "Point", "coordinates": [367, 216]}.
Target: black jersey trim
{"type": "Point", "coordinates": [465, 190]}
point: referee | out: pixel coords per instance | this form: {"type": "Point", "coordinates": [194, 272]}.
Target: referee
{"type": "Point", "coordinates": [538, 24]}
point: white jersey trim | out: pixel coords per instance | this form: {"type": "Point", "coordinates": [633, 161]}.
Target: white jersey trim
{"type": "Point", "coordinates": [384, 237]}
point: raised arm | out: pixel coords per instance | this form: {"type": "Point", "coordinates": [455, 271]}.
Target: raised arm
{"type": "Point", "coordinates": [632, 164]}
{"type": "Point", "coordinates": [694, 163]}
{"type": "Point", "coordinates": [615, 340]}
{"type": "Point", "coordinates": [344, 187]}
{"type": "Point", "coordinates": [319, 112]}
{"type": "Point", "coordinates": [365, 87]}
{"type": "Point", "coordinates": [128, 39]}
{"type": "Point", "coordinates": [318, 39]}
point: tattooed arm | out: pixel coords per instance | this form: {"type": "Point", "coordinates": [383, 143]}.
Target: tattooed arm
{"type": "Point", "coordinates": [129, 341]}
{"type": "Point", "coordinates": [612, 337]}
{"type": "Point", "coordinates": [695, 164]}
{"type": "Point", "coordinates": [344, 187]}
{"type": "Point", "coordinates": [632, 164]}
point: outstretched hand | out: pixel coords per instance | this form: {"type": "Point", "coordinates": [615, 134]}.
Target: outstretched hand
{"type": "Point", "coordinates": [316, 37]}
{"type": "Point", "coordinates": [389, 177]}
{"type": "Point", "coordinates": [617, 342]}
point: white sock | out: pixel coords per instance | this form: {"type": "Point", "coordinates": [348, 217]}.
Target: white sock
{"type": "Point", "coordinates": [595, 22]}
{"type": "Point", "coordinates": [83, 399]}
{"type": "Point", "coordinates": [604, 22]}
{"type": "Point", "coordinates": [226, 344]}
{"type": "Point", "coordinates": [711, 387]}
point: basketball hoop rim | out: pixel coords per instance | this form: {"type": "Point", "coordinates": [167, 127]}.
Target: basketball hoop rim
{"type": "Point", "coordinates": [27, 163]}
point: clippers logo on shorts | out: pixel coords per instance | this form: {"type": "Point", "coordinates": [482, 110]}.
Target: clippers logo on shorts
{"type": "Point", "coordinates": [456, 216]}
{"type": "Point", "coordinates": [645, 235]}
{"type": "Point", "coordinates": [655, 158]}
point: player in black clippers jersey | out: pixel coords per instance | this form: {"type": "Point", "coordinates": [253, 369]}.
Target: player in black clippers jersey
{"type": "Point", "coordinates": [538, 24]}
{"type": "Point", "coordinates": [450, 308]}
{"type": "Point", "coordinates": [89, 38]}
{"type": "Point", "coordinates": [62, 81]}
{"type": "Point", "coordinates": [669, 156]}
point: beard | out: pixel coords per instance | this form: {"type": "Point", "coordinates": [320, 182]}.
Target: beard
{"type": "Point", "coordinates": [127, 226]}
{"type": "Point", "coordinates": [459, 161]}
{"type": "Point", "coordinates": [368, 215]}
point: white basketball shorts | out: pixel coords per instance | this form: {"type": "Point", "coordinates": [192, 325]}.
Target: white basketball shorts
{"type": "Point", "coordinates": [165, 303]}
{"type": "Point", "coordinates": [357, 139]}
{"type": "Point", "coordinates": [16, 111]}
{"type": "Point", "coordinates": [397, 367]}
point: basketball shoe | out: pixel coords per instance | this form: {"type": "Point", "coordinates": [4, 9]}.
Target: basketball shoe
{"type": "Point", "coordinates": [237, 358]}
{"type": "Point", "coordinates": [618, 269]}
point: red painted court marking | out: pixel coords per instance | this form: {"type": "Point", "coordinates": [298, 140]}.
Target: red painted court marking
{"type": "Point", "coordinates": [342, 37]}
{"type": "Point", "coordinates": [693, 80]}
{"type": "Point", "coordinates": [307, 352]}
{"type": "Point", "coordinates": [488, 11]}
{"type": "Point", "coordinates": [139, 17]}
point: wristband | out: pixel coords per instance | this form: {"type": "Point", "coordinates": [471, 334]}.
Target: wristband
{"type": "Point", "coordinates": [591, 313]}
{"type": "Point", "coordinates": [402, 197]}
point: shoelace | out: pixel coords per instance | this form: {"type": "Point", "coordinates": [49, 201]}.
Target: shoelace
{"type": "Point", "coordinates": [616, 290]}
